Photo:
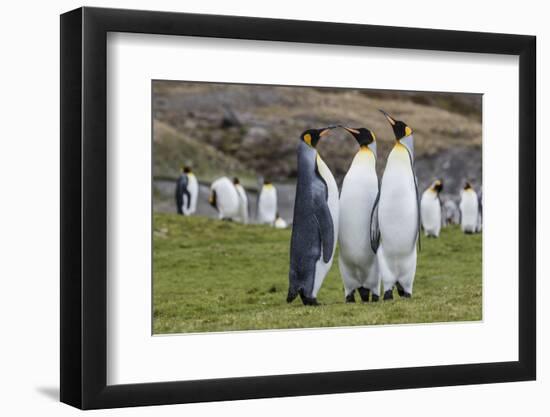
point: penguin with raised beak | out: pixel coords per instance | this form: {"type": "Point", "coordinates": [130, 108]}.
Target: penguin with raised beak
{"type": "Point", "coordinates": [315, 221]}
{"type": "Point", "coordinates": [357, 260]}
{"type": "Point", "coordinates": [395, 226]}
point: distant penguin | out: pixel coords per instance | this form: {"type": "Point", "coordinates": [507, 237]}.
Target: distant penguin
{"type": "Point", "coordinates": [315, 224]}
{"type": "Point", "coordinates": [450, 213]}
{"type": "Point", "coordinates": [243, 201]}
{"type": "Point", "coordinates": [468, 209]}
{"type": "Point", "coordinates": [396, 217]}
{"type": "Point", "coordinates": [279, 223]}
{"type": "Point", "coordinates": [480, 211]}
{"type": "Point", "coordinates": [267, 204]}
{"type": "Point", "coordinates": [225, 199]}
{"type": "Point", "coordinates": [182, 193]}
{"type": "Point", "coordinates": [190, 203]}
{"type": "Point", "coordinates": [430, 209]}
{"type": "Point", "coordinates": [357, 260]}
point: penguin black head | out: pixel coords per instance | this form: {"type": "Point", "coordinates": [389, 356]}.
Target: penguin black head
{"type": "Point", "coordinates": [236, 181]}
{"type": "Point", "coordinates": [186, 169]}
{"type": "Point", "coordinates": [467, 185]}
{"type": "Point", "coordinates": [363, 136]}
{"type": "Point", "coordinates": [437, 186]}
{"type": "Point", "coordinates": [400, 129]}
{"type": "Point", "coordinates": [312, 136]}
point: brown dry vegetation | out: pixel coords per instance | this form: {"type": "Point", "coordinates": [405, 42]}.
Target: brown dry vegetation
{"type": "Point", "coordinates": [272, 118]}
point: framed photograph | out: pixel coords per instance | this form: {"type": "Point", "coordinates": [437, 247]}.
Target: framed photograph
{"type": "Point", "coordinates": [257, 208]}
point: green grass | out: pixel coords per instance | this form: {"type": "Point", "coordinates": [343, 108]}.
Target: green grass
{"type": "Point", "coordinates": [211, 275]}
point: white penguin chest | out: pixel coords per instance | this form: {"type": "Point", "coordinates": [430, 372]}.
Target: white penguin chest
{"type": "Point", "coordinates": [332, 189]}
{"type": "Point", "coordinates": [322, 268]}
{"type": "Point", "coordinates": [357, 198]}
{"type": "Point", "coordinates": [430, 208]}
{"type": "Point", "coordinates": [268, 199]}
{"type": "Point", "coordinates": [398, 207]}
{"type": "Point", "coordinates": [242, 194]}
{"type": "Point", "coordinates": [227, 197]}
{"type": "Point", "coordinates": [469, 208]}
{"type": "Point", "coordinates": [193, 185]}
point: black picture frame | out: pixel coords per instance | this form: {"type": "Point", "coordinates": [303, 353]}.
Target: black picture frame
{"type": "Point", "coordinates": [84, 207]}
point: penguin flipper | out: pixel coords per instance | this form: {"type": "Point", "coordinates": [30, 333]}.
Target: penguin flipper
{"type": "Point", "coordinates": [324, 219]}
{"type": "Point", "coordinates": [326, 229]}
{"type": "Point", "coordinates": [419, 221]}
{"type": "Point", "coordinates": [181, 190]}
{"type": "Point", "coordinates": [374, 225]}
{"type": "Point", "coordinates": [179, 199]}
{"type": "Point", "coordinates": [188, 195]}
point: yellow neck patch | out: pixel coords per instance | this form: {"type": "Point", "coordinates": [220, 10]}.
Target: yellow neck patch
{"type": "Point", "coordinates": [365, 155]}
{"type": "Point", "coordinates": [364, 148]}
{"type": "Point", "coordinates": [401, 151]}
{"type": "Point", "coordinates": [307, 139]}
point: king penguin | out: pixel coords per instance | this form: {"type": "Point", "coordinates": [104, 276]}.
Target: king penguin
{"type": "Point", "coordinates": [468, 209]}
{"type": "Point", "coordinates": [225, 199]}
{"type": "Point", "coordinates": [395, 226]}
{"type": "Point", "coordinates": [430, 209]}
{"type": "Point", "coordinates": [190, 203]}
{"type": "Point", "coordinates": [315, 224]}
{"type": "Point", "coordinates": [357, 260]}
{"type": "Point", "coordinates": [183, 197]}
{"type": "Point", "coordinates": [267, 204]}
{"type": "Point", "coordinates": [243, 201]}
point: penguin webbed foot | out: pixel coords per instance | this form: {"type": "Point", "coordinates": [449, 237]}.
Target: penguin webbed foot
{"type": "Point", "coordinates": [350, 298]}
{"type": "Point", "coordinates": [388, 295]}
{"type": "Point", "coordinates": [401, 291]}
{"type": "Point", "coordinates": [292, 294]}
{"type": "Point", "coordinates": [364, 293]}
{"type": "Point", "coordinates": [309, 301]}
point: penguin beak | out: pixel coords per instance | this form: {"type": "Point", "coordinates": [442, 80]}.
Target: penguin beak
{"type": "Point", "coordinates": [390, 119]}
{"type": "Point", "coordinates": [327, 130]}
{"type": "Point", "coordinates": [352, 131]}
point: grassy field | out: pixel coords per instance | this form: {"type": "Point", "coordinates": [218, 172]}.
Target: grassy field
{"type": "Point", "coordinates": [218, 276]}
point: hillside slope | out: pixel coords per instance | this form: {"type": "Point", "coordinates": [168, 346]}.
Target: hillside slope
{"type": "Point", "coordinates": [259, 126]}
{"type": "Point", "coordinates": [173, 148]}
